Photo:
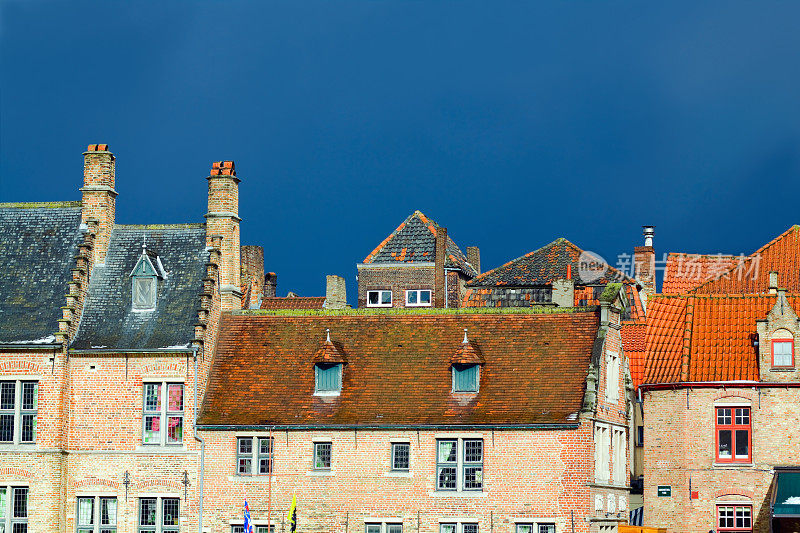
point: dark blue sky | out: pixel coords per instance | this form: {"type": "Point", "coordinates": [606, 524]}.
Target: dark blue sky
{"type": "Point", "coordinates": [511, 123]}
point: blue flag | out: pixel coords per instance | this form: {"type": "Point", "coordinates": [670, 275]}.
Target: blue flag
{"type": "Point", "coordinates": [248, 527]}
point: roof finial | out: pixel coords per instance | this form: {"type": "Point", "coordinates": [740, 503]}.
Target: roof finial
{"type": "Point", "coordinates": [466, 340]}
{"type": "Point", "coordinates": [328, 332]}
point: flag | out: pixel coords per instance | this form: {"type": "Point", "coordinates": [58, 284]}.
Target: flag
{"type": "Point", "coordinates": [248, 527]}
{"type": "Point", "coordinates": [292, 516]}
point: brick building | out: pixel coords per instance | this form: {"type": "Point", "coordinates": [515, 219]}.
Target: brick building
{"type": "Point", "coordinates": [416, 266]}
{"type": "Point", "coordinates": [721, 397]}
{"type": "Point", "coordinates": [441, 421]}
{"type": "Point", "coordinates": [99, 387]}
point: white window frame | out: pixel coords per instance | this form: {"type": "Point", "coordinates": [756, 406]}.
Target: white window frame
{"type": "Point", "coordinates": [159, 527]}
{"type": "Point", "coordinates": [612, 376]}
{"type": "Point", "coordinates": [460, 465]}
{"type": "Point", "coordinates": [96, 526]}
{"type": "Point", "coordinates": [330, 458]}
{"type": "Point", "coordinates": [8, 520]}
{"type": "Point", "coordinates": [419, 298]}
{"type": "Point", "coordinates": [380, 299]}
{"type": "Point", "coordinates": [454, 371]}
{"type": "Point", "coordinates": [384, 526]}
{"type": "Point", "coordinates": [332, 392]}
{"type": "Point", "coordinates": [257, 528]}
{"type": "Point", "coordinates": [18, 412]}
{"type": "Point", "coordinates": [618, 449]}
{"type": "Point", "coordinates": [459, 526]}
{"type": "Point", "coordinates": [601, 453]}
{"type": "Point", "coordinates": [255, 456]}
{"type": "Point", "coordinates": [153, 281]}
{"type": "Point", "coordinates": [164, 413]}
{"type": "Point", "coordinates": [535, 527]}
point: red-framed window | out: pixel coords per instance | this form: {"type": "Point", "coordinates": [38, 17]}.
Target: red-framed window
{"type": "Point", "coordinates": [733, 435]}
{"type": "Point", "coordinates": [737, 518]}
{"type": "Point", "coordinates": [782, 353]}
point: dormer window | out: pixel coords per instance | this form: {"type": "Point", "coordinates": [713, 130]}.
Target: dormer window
{"type": "Point", "coordinates": [144, 281]}
{"type": "Point", "coordinates": [466, 377]}
{"type": "Point", "coordinates": [782, 349]}
{"type": "Point", "coordinates": [328, 378]}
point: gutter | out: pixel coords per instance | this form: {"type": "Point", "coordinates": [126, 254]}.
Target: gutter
{"type": "Point", "coordinates": [719, 384]}
{"type": "Point", "coordinates": [140, 350]}
{"type": "Point", "coordinates": [202, 448]}
{"type": "Point", "coordinates": [22, 346]}
{"type": "Point", "coordinates": [323, 427]}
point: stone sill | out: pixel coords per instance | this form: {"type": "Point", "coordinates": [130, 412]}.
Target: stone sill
{"type": "Point", "coordinates": [732, 465]}
{"type": "Point", "coordinates": [457, 494]}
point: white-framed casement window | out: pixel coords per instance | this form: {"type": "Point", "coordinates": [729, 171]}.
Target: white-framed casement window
{"type": "Point", "coordinates": [602, 444]}
{"type": "Point", "coordinates": [379, 298]}
{"type": "Point", "coordinates": [96, 514]}
{"type": "Point", "coordinates": [159, 515]}
{"type": "Point", "coordinates": [401, 456]}
{"type": "Point", "coordinates": [327, 379]}
{"type": "Point", "coordinates": [383, 527]}
{"type": "Point", "coordinates": [254, 456]}
{"type": "Point", "coordinates": [458, 527]}
{"type": "Point", "coordinates": [239, 528]}
{"type": "Point", "coordinates": [418, 298]}
{"type": "Point", "coordinates": [612, 376]}
{"type": "Point", "coordinates": [19, 404]}
{"type": "Point", "coordinates": [459, 464]}
{"type": "Point", "coordinates": [322, 455]}
{"type": "Point", "coordinates": [162, 415]}
{"type": "Point", "coordinates": [536, 527]}
{"type": "Point", "coordinates": [13, 509]}
{"type": "Point", "coordinates": [618, 451]}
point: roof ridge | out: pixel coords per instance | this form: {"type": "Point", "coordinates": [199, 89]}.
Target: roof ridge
{"type": "Point", "coordinates": [702, 255]}
{"type": "Point", "coordinates": [385, 241]}
{"type": "Point", "coordinates": [483, 275]}
{"type": "Point", "coordinates": [160, 226]}
{"type": "Point", "coordinates": [39, 205]}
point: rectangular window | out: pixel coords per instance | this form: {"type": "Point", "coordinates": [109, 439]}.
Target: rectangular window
{"type": "Point", "coordinates": [19, 406]}
{"type": "Point", "coordinates": [459, 464]}
{"type": "Point", "coordinates": [783, 353]}
{"type": "Point", "coordinates": [401, 456]}
{"type": "Point", "coordinates": [254, 455]}
{"type": "Point", "coordinates": [640, 435]}
{"type": "Point", "coordinates": [322, 456]}
{"type": "Point", "coordinates": [256, 529]}
{"type": "Point", "coordinates": [327, 378]}
{"type": "Point", "coordinates": [612, 377]}
{"type": "Point", "coordinates": [619, 449]}
{"type": "Point", "coordinates": [96, 514]}
{"type": "Point", "coordinates": [735, 518]}
{"type": "Point", "coordinates": [733, 434]}
{"type": "Point", "coordinates": [418, 298]}
{"type": "Point", "coordinates": [13, 509]}
{"type": "Point", "coordinates": [542, 527]}
{"type": "Point", "coordinates": [459, 527]}
{"type": "Point", "coordinates": [159, 515]}
{"type": "Point", "coordinates": [379, 298]}
{"type": "Point", "coordinates": [383, 527]}
{"type": "Point", "coordinates": [144, 292]}
{"type": "Point", "coordinates": [466, 378]}
{"type": "Point", "coordinates": [162, 414]}
{"type": "Point", "coordinates": [602, 451]}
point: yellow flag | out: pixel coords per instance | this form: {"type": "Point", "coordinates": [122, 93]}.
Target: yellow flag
{"type": "Point", "coordinates": [292, 516]}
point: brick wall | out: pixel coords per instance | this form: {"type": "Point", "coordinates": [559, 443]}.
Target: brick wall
{"type": "Point", "coordinates": [398, 280]}
{"type": "Point", "coordinates": [680, 444]}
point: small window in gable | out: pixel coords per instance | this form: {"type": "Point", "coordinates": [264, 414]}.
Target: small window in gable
{"type": "Point", "coordinates": [328, 378]}
{"type": "Point", "coordinates": [144, 281]}
{"type": "Point", "coordinates": [782, 349]}
{"type": "Point", "coordinates": [465, 377]}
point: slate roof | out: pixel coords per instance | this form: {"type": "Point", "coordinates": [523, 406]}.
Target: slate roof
{"type": "Point", "coordinates": [38, 245]}
{"type": "Point", "coordinates": [684, 272]}
{"type": "Point", "coordinates": [713, 332]}
{"type": "Point", "coordinates": [110, 323]}
{"type": "Point", "coordinates": [397, 370]}
{"type": "Point", "coordinates": [414, 241]}
{"type": "Point", "coordinates": [292, 302]}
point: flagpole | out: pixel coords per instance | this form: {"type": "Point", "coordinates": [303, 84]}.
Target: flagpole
{"type": "Point", "coordinates": [269, 481]}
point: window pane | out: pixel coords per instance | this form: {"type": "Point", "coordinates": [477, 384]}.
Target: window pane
{"type": "Point", "coordinates": [28, 433]}
{"type": "Point", "coordinates": [473, 478]}
{"type": "Point", "coordinates": [20, 503]}
{"type": "Point", "coordinates": [169, 515]}
{"type": "Point", "coordinates": [85, 511]}
{"type": "Point", "coordinates": [743, 517]}
{"type": "Point", "coordinates": [263, 529]}
{"type": "Point", "coordinates": [470, 528]}
{"type": "Point", "coordinates": [237, 529]}
{"type": "Point", "coordinates": [264, 456]}
{"type": "Point", "coordinates": [245, 465]}
{"type": "Point", "coordinates": [524, 528]}
{"type": "Point", "coordinates": [743, 416]}
{"type": "Point", "coordinates": [372, 298]}
{"type": "Point", "coordinates": [7, 394]}
{"type": "Point", "coordinates": [175, 397]}
{"type": "Point", "coordinates": [725, 443]}
{"type": "Point", "coordinates": [20, 528]}
{"type": "Point", "coordinates": [447, 528]}
{"type": "Point", "coordinates": [6, 428]}
{"type": "Point", "coordinates": [3, 502]}
{"type": "Point", "coordinates": [386, 297]}
{"type": "Point", "coordinates": [425, 297]}
{"type": "Point", "coordinates": [782, 353]}
{"type": "Point", "coordinates": [547, 528]}
{"type": "Point", "coordinates": [411, 296]}
{"type": "Point", "coordinates": [144, 292]}
{"type": "Point", "coordinates": [723, 416]}
{"type": "Point", "coordinates": [245, 445]}
{"type": "Point", "coordinates": [152, 396]}
{"type": "Point", "coordinates": [742, 444]}
{"type": "Point", "coordinates": [447, 451]}
{"type": "Point", "coordinates": [152, 430]}
{"type": "Point", "coordinates": [30, 395]}
{"type": "Point", "coordinates": [394, 528]}
{"type": "Point", "coordinates": [473, 451]}
{"type": "Point", "coordinates": [465, 378]}
{"type": "Point", "coordinates": [373, 528]}
{"type": "Point", "coordinates": [108, 511]}
{"type": "Point", "coordinates": [446, 478]}
{"type": "Point", "coordinates": [147, 511]}
{"type": "Point", "coordinates": [174, 429]}
{"type": "Point", "coordinates": [725, 516]}
{"type": "Point", "coordinates": [328, 377]}
{"type": "Point", "coordinates": [400, 456]}
{"type": "Point", "coordinates": [322, 455]}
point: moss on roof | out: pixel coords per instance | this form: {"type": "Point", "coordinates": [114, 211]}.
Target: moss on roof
{"type": "Point", "coordinates": [534, 310]}
{"type": "Point", "coordinates": [37, 205]}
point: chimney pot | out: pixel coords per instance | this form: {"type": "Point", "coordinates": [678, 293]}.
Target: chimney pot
{"type": "Point", "coordinates": [773, 282]}
{"type": "Point", "coordinates": [335, 292]}
{"type": "Point", "coordinates": [648, 232]}
{"type": "Point", "coordinates": [474, 257]}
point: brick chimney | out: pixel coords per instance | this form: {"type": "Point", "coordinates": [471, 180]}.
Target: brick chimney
{"type": "Point", "coordinates": [644, 259]}
{"type": "Point", "coordinates": [252, 273]}
{"type": "Point", "coordinates": [335, 292]}
{"type": "Point", "coordinates": [773, 282]}
{"type": "Point", "coordinates": [223, 219]}
{"type": "Point", "coordinates": [474, 257]}
{"type": "Point", "coordinates": [270, 284]}
{"type": "Point", "coordinates": [99, 197]}
{"type": "Point", "coordinates": [440, 256]}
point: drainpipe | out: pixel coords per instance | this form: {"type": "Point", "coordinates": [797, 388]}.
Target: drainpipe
{"type": "Point", "coordinates": [202, 447]}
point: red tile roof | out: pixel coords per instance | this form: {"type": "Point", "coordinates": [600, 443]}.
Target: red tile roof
{"type": "Point", "coordinates": [705, 337]}
{"type": "Point", "coordinates": [292, 302]}
{"type": "Point", "coordinates": [634, 342]}
{"type": "Point", "coordinates": [684, 272]}
{"type": "Point", "coordinates": [751, 275]}
{"type": "Point", "coordinates": [398, 368]}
